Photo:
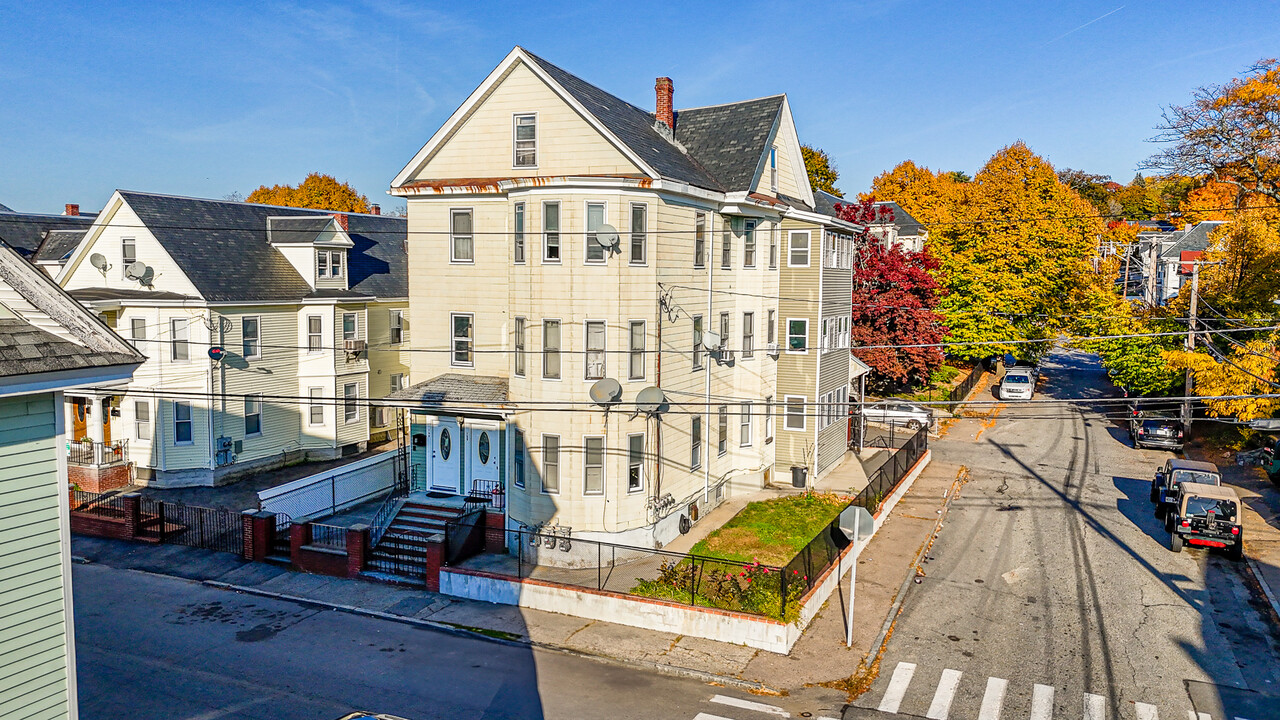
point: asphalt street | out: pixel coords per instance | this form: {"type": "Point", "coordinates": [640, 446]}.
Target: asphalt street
{"type": "Point", "coordinates": [1050, 591]}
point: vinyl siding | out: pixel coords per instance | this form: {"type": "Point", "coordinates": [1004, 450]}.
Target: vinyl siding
{"type": "Point", "coordinates": [33, 651]}
{"type": "Point", "coordinates": [799, 298]}
{"type": "Point", "coordinates": [788, 183]}
{"type": "Point", "coordinates": [119, 221]}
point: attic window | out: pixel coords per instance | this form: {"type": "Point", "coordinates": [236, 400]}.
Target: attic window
{"type": "Point", "coordinates": [328, 263]}
{"type": "Point", "coordinates": [128, 255]}
{"type": "Point", "coordinates": [773, 169]}
{"type": "Point", "coordinates": [526, 141]}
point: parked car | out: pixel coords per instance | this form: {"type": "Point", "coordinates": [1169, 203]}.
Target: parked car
{"type": "Point", "coordinates": [1166, 488]}
{"type": "Point", "coordinates": [1156, 431]}
{"type": "Point", "coordinates": [1019, 383]}
{"type": "Point", "coordinates": [1206, 516]}
{"type": "Point", "coordinates": [898, 413]}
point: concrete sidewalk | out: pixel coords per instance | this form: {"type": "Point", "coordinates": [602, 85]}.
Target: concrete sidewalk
{"type": "Point", "coordinates": [1261, 514]}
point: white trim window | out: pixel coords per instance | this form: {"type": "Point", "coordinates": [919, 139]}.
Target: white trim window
{"type": "Point", "coordinates": [315, 411]}
{"type": "Point", "coordinates": [593, 465]}
{"type": "Point", "coordinates": [773, 168]}
{"type": "Point", "coordinates": [462, 241]}
{"type": "Point", "coordinates": [793, 412]}
{"type": "Point", "coordinates": [635, 350]}
{"type": "Point", "coordinates": [744, 426]}
{"type": "Point", "coordinates": [517, 235]}
{"type": "Point", "coordinates": [551, 337]}
{"type": "Point", "coordinates": [700, 240]}
{"type": "Point", "coordinates": [773, 246]}
{"type": "Point", "coordinates": [724, 329]}
{"type": "Point", "coordinates": [462, 332]}
{"type": "Point", "coordinates": [771, 327]}
{"type": "Point", "coordinates": [551, 464]}
{"type": "Point", "coordinates": [695, 443]}
{"type": "Point", "coordinates": [551, 232]}
{"type": "Point", "coordinates": [351, 402]}
{"type": "Point", "coordinates": [639, 233]}
{"type": "Point", "coordinates": [520, 335]}
{"type": "Point", "coordinates": [142, 420]}
{"type": "Point", "coordinates": [328, 263]}
{"type": "Point", "coordinates": [697, 342]}
{"type": "Point", "coordinates": [722, 430]}
{"type": "Point", "coordinates": [335, 263]}
{"type": "Point", "coordinates": [179, 335]}
{"type": "Point", "coordinates": [524, 140]}
{"type": "Point", "coordinates": [315, 334]}
{"type": "Point", "coordinates": [251, 337]}
{"type": "Point", "coordinates": [797, 335]}
{"type": "Point", "coordinates": [593, 250]}
{"type": "Point", "coordinates": [138, 332]}
{"type": "Point", "coordinates": [396, 323]}
{"type": "Point", "coordinates": [635, 463]}
{"type": "Point", "coordinates": [322, 263]}
{"type": "Point", "coordinates": [726, 244]}
{"type": "Point", "coordinates": [397, 382]}
{"type": "Point", "coordinates": [768, 418]}
{"type": "Point", "coordinates": [517, 458]}
{"type": "Point", "coordinates": [749, 243]}
{"type": "Point", "coordinates": [252, 415]}
{"type": "Point", "coordinates": [798, 248]}
{"type": "Point", "coordinates": [183, 433]}
{"type": "Point", "coordinates": [128, 255]}
{"type": "Point", "coordinates": [350, 326]}
{"type": "Point", "coordinates": [594, 335]}
{"type": "Point", "coordinates": [748, 334]}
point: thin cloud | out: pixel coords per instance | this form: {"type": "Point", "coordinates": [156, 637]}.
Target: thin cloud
{"type": "Point", "coordinates": [1100, 17]}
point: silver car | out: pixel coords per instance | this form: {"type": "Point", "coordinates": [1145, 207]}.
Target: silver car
{"type": "Point", "coordinates": [898, 413]}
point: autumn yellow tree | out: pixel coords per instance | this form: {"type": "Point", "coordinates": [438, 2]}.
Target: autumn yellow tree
{"type": "Point", "coordinates": [322, 192]}
{"type": "Point", "coordinates": [1248, 369]}
{"type": "Point", "coordinates": [821, 169]}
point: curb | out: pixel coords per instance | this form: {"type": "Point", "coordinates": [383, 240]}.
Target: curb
{"type": "Point", "coordinates": [1262, 582]}
{"type": "Point", "coordinates": [675, 670]}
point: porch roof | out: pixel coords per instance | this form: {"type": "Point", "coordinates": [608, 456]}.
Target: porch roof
{"type": "Point", "coordinates": [453, 389]}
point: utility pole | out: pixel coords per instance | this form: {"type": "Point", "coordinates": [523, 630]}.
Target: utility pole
{"type": "Point", "coordinates": [1191, 343]}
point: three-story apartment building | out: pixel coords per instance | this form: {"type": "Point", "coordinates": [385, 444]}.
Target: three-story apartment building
{"type": "Point", "coordinates": [561, 237]}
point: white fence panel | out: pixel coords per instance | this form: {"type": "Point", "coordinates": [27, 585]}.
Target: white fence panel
{"type": "Point", "coordinates": [331, 491]}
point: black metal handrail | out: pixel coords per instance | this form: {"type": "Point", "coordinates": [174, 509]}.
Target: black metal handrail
{"type": "Point", "coordinates": [90, 453]}
{"type": "Point", "coordinates": [464, 536]}
{"type": "Point", "coordinates": [333, 537]}
{"type": "Point", "coordinates": [961, 391]}
{"type": "Point", "coordinates": [490, 492]}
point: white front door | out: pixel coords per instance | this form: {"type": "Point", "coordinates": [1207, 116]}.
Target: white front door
{"type": "Point", "coordinates": [446, 454]}
{"type": "Point", "coordinates": [483, 447]}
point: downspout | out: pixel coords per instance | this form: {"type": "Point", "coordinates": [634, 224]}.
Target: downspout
{"type": "Point", "coordinates": [817, 380]}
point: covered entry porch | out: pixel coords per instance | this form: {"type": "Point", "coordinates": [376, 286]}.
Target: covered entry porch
{"type": "Point", "coordinates": [97, 447]}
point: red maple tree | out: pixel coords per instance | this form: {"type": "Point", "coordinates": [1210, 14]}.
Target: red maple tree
{"type": "Point", "coordinates": [894, 301]}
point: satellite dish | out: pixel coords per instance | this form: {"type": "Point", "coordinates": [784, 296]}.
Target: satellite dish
{"type": "Point", "coordinates": [99, 261]}
{"type": "Point", "coordinates": [711, 341]}
{"type": "Point", "coordinates": [606, 392]}
{"type": "Point", "coordinates": [135, 271]}
{"type": "Point", "coordinates": [148, 274]}
{"type": "Point", "coordinates": [607, 237]}
{"type": "Point", "coordinates": [650, 399]}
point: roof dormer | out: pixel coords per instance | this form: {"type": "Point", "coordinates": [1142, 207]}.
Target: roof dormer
{"type": "Point", "coordinates": [316, 246]}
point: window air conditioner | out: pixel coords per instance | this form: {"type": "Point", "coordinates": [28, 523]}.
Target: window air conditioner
{"type": "Point", "coordinates": [595, 369]}
{"type": "Point", "coordinates": [772, 349]}
{"type": "Point", "coordinates": [354, 346]}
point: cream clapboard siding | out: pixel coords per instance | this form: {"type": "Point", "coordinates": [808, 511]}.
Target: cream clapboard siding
{"type": "Point", "coordinates": [788, 183]}
{"type": "Point", "coordinates": [170, 379]}
{"type": "Point", "coordinates": [118, 221]}
{"type": "Point", "coordinates": [33, 647]}
{"type": "Point", "coordinates": [271, 373]}
{"type": "Point", "coordinates": [351, 368]}
{"type": "Point", "coordinates": [385, 358]}
{"type": "Point", "coordinates": [482, 146]}
{"type": "Point", "coordinates": [315, 370]}
{"type": "Point", "coordinates": [797, 372]}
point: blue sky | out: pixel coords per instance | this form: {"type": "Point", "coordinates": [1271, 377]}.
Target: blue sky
{"type": "Point", "coordinates": [206, 99]}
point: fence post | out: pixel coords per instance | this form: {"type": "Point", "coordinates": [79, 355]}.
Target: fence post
{"type": "Point", "coordinates": [133, 513]}
{"type": "Point", "coordinates": [357, 549]}
{"type": "Point", "coordinates": [599, 570]}
{"type": "Point", "coordinates": [693, 572]}
{"type": "Point", "coordinates": [782, 592]}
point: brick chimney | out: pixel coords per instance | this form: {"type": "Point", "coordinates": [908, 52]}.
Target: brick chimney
{"type": "Point", "coordinates": [72, 209]}
{"type": "Point", "coordinates": [375, 209]}
{"type": "Point", "coordinates": [342, 220]}
{"type": "Point", "coordinates": [666, 92]}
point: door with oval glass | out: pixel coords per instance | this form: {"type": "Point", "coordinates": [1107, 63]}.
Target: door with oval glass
{"type": "Point", "coordinates": [446, 456]}
{"type": "Point", "coordinates": [483, 447]}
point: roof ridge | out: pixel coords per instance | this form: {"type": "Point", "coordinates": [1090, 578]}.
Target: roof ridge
{"type": "Point", "coordinates": [224, 201]}
{"type": "Point", "coordinates": [726, 104]}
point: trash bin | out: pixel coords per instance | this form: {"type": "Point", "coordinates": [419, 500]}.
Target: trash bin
{"type": "Point", "coordinates": [798, 475]}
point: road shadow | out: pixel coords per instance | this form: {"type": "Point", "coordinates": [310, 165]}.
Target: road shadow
{"type": "Point", "coordinates": [1138, 509]}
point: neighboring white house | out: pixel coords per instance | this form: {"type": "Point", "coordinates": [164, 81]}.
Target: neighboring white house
{"type": "Point", "coordinates": [49, 345]}
{"type": "Point", "coordinates": [309, 306]}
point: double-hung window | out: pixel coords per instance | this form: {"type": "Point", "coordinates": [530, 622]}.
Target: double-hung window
{"type": "Point", "coordinates": [551, 464]}
{"type": "Point", "coordinates": [397, 326]}
{"type": "Point", "coordinates": [463, 338]}
{"type": "Point", "coordinates": [517, 457]}
{"type": "Point", "coordinates": [316, 409]}
{"type": "Point", "coordinates": [773, 246]}
{"type": "Point", "coordinates": [794, 409]}
{"type": "Point", "coordinates": [315, 334]}
{"type": "Point", "coordinates": [798, 248]}
{"type": "Point", "coordinates": [328, 263]}
{"type": "Point", "coordinates": [351, 402]}
{"type": "Point", "coordinates": [551, 232]}
{"type": "Point", "coordinates": [128, 255]}
{"type": "Point", "coordinates": [639, 233]}
{"type": "Point", "coordinates": [724, 329]}
{"type": "Point", "coordinates": [138, 332]}
{"type": "Point", "coordinates": [798, 335]}
{"type": "Point", "coordinates": [726, 244]}
{"type": "Point", "coordinates": [250, 338]}
{"type": "Point", "coordinates": [773, 169]}
{"type": "Point", "coordinates": [635, 463]}
{"type": "Point", "coordinates": [700, 240]}
{"type": "Point", "coordinates": [748, 334]}
{"type": "Point", "coordinates": [322, 263]}
{"type": "Point", "coordinates": [142, 420]}
{"type": "Point", "coordinates": [635, 350]}
{"type": "Point", "coordinates": [179, 340]}
{"type": "Point", "coordinates": [722, 430]}
{"type": "Point", "coordinates": [551, 349]}
{"type": "Point", "coordinates": [335, 263]}
{"type": "Point", "coordinates": [749, 243]}
{"type": "Point", "coordinates": [697, 342]}
{"type": "Point", "coordinates": [595, 332]}
{"type": "Point", "coordinates": [768, 418]}
{"type": "Point", "coordinates": [771, 327]}
{"type": "Point", "coordinates": [525, 140]}
{"type": "Point", "coordinates": [520, 346]}
{"type": "Point", "coordinates": [349, 326]}
{"type": "Point", "coordinates": [461, 238]}
{"type": "Point", "coordinates": [182, 434]}
{"type": "Point", "coordinates": [593, 465]}
{"type": "Point", "coordinates": [695, 443]}
{"type": "Point", "coordinates": [744, 426]}
{"type": "Point", "coordinates": [517, 249]}
{"type": "Point", "coordinates": [595, 252]}
{"type": "Point", "coordinates": [252, 415]}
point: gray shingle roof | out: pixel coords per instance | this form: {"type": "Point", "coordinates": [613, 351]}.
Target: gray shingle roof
{"type": "Point", "coordinates": [5, 208]}
{"type": "Point", "coordinates": [825, 203]}
{"type": "Point", "coordinates": [378, 264]}
{"type": "Point", "coordinates": [25, 231]}
{"type": "Point", "coordinates": [296, 229]}
{"type": "Point", "coordinates": [222, 247]}
{"type": "Point", "coordinates": [26, 349]}
{"type": "Point", "coordinates": [455, 388]}
{"type": "Point", "coordinates": [95, 294]}
{"type": "Point", "coordinates": [906, 224]}
{"type": "Point", "coordinates": [1195, 239]}
{"type": "Point", "coordinates": [58, 244]}
{"type": "Point", "coordinates": [731, 140]}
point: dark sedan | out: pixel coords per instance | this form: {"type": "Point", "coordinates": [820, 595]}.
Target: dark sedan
{"type": "Point", "coordinates": [1156, 432]}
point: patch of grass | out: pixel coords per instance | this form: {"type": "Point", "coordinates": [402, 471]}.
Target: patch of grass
{"type": "Point", "coordinates": [771, 532]}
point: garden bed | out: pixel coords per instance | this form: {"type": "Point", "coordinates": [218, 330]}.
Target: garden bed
{"type": "Point", "coordinates": [772, 531]}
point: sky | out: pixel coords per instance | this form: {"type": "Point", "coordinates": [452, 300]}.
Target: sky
{"type": "Point", "coordinates": [208, 99]}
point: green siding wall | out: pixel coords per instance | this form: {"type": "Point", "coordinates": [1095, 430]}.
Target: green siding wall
{"type": "Point", "coordinates": [33, 633]}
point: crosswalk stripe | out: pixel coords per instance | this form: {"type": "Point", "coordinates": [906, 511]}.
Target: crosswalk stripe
{"type": "Point", "coordinates": [1042, 702]}
{"type": "Point", "coordinates": [946, 691]}
{"type": "Point", "coordinates": [1146, 712]}
{"type": "Point", "coordinates": [1095, 707]}
{"type": "Point", "coordinates": [704, 716]}
{"type": "Point", "coordinates": [1203, 716]}
{"type": "Point", "coordinates": [992, 699]}
{"type": "Point", "coordinates": [897, 687]}
{"type": "Point", "coordinates": [750, 705]}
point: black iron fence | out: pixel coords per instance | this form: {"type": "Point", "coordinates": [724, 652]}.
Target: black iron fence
{"type": "Point", "coordinates": [464, 536]}
{"type": "Point", "coordinates": [961, 391]}
{"type": "Point", "coordinates": [402, 553]}
{"type": "Point", "coordinates": [281, 544]}
{"type": "Point", "coordinates": [202, 527]}
{"type": "Point", "coordinates": [333, 537]}
{"type": "Point", "coordinates": [694, 580]}
{"type": "Point", "coordinates": [93, 454]}
{"type": "Point", "coordinates": [488, 492]}
{"type": "Point", "coordinates": [101, 504]}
